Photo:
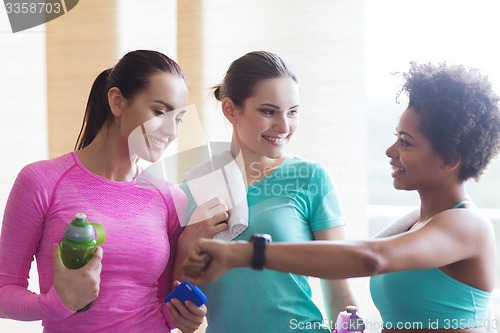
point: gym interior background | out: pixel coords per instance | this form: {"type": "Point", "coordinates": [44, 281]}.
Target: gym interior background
{"type": "Point", "coordinates": [343, 51]}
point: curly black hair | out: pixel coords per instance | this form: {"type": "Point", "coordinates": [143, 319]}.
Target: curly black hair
{"type": "Point", "coordinates": [459, 113]}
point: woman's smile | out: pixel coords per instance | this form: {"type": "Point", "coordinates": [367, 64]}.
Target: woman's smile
{"type": "Point", "coordinates": [275, 140]}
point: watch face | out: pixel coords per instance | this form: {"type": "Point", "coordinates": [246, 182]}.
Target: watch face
{"type": "Point", "coordinates": [266, 237]}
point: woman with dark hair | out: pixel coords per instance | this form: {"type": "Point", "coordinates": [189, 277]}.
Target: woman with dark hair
{"type": "Point", "coordinates": [290, 198]}
{"type": "Point", "coordinates": [133, 111]}
{"type": "Point", "coordinates": [438, 274]}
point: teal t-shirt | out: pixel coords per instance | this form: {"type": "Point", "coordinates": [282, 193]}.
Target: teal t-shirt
{"type": "Point", "coordinates": [297, 198]}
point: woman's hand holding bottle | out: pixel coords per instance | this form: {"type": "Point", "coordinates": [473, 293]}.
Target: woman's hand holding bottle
{"type": "Point", "coordinates": [77, 287]}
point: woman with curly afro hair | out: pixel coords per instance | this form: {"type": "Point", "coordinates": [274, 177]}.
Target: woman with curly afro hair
{"type": "Point", "coordinates": [439, 273]}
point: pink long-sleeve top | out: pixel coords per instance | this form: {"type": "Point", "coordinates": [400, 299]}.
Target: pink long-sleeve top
{"type": "Point", "coordinates": [142, 229]}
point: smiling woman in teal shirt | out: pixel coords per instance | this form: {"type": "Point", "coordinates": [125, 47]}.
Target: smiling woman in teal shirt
{"type": "Point", "coordinates": [290, 198]}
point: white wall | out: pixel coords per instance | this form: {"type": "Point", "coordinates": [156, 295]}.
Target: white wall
{"type": "Point", "coordinates": [23, 114]}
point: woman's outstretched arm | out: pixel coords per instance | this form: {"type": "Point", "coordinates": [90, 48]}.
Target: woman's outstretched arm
{"type": "Point", "coordinates": [454, 235]}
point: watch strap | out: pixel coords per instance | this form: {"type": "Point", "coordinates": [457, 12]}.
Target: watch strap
{"type": "Point", "coordinates": [260, 242]}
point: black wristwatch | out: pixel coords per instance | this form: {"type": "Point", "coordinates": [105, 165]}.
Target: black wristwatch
{"type": "Point", "coordinates": [260, 242]}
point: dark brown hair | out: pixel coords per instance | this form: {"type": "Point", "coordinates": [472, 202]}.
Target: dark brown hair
{"type": "Point", "coordinates": [130, 75]}
{"type": "Point", "coordinates": [247, 71]}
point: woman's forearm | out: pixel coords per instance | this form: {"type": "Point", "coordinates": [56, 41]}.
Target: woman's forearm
{"type": "Point", "coordinates": [210, 259]}
{"type": "Point", "coordinates": [337, 294]}
{"type": "Point", "coordinates": [323, 259]}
